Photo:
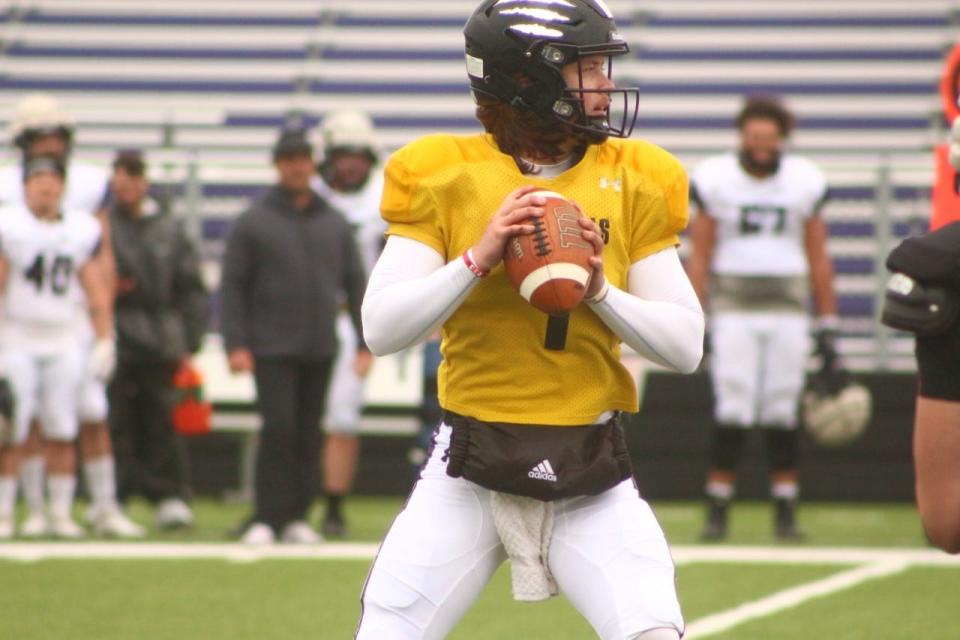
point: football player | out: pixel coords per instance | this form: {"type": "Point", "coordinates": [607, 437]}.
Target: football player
{"type": "Point", "coordinates": [46, 256]}
{"type": "Point", "coordinates": [347, 179]}
{"type": "Point", "coordinates": [758, 240]}
{"type": "Point", "coordinates": [923, 297]}
{"type": "Point", "coordinates": [41, 126]}
{"type": "Point", "coordinates": [519, 418]}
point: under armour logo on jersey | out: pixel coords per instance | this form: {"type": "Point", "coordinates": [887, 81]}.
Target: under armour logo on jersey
{"type": "Point", "coordinates": [543, 471]}
{"type": "Point", "coordinates": [606, 183]}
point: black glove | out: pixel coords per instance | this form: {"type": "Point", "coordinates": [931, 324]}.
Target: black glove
{"type": "Point", "coordinates": [825, 337]}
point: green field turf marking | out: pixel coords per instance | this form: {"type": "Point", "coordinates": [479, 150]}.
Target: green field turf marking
{"type": "Point", "coordinates": [792, 597]}
{"type": "Point", "coordinates": [918, 603]}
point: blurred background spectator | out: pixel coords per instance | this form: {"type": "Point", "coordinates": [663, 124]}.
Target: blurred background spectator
{"type": "Point", "coordinates": [161, 317]}
{"type": "Point", "coordinates": [288, 259]}
{"type": "Point", "coordinates": [349, 179]}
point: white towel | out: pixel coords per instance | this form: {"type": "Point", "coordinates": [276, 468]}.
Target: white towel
{"type": "Point", "coordinates": [525, 526]}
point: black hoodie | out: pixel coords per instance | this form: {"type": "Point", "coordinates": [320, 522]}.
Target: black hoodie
{"type": "Point", "coordinates": [285, 274]}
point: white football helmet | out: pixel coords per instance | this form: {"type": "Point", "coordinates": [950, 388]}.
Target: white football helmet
{"type": "Point", "coordinates": [349, 130]}
{"type": "Point", "coordinates": [39, 113]}
{"type": "Point", "coordinates": [837, 417]}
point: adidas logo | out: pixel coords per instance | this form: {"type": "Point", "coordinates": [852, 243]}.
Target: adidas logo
{"type": "Point", "coordinates": [543, 471]}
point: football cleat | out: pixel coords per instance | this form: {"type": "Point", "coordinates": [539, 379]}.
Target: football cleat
{"type": "Point", "coordinates": [785, 520]}
{"type": "Point", "coordinates": [6, 529]}
{"type": "Point", "coordinates": [173, 513]}
{"type": "Point", "coordinates": [35, 525]}
{"type": "Point", "coordinates": [299, 532]}
{"type": "Point", "coordinates": [66, 528]}
{"type": "Point", "coordinates": [333, 527]}
{"type": "Point", "coordinates": [257, 534]}
{"type": "Point", "coordinates": [716, 527]}
{"type": "Point", "coordinates": [114, 523]}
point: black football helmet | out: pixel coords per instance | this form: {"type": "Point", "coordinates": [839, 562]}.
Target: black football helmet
{"type": "Point", "coordinates": [515, 50]}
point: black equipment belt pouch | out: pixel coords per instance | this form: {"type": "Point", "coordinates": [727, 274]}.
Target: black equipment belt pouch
{"type": "Point", "coordinates": [538, 461]}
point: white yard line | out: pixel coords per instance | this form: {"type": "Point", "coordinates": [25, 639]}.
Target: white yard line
{"type": "Point", "coordinates": [810, 555]}
{"type": "Point", "coordinates": [33, 551]}
{"type": "Point", "coordinates": [792, 597]}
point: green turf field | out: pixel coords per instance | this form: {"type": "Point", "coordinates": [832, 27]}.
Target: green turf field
{"type": "Point", "coordinates": [862, 573]}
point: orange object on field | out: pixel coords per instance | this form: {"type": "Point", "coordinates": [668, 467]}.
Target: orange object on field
{"type": "Point", "coordinates": [944, 199]}
{"type": "Point", "coordinates": [191, 415]}
{"type": "Point", "coordinates": [950, 85]}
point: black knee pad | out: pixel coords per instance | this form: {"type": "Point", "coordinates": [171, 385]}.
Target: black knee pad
{"type": "Point", "coordinates": [726, 446]}
{"type": "Point", "coordinates": [783, 448]}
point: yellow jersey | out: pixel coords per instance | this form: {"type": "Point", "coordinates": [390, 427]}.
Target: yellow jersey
{"type": "Point", "coordinates": [442, 191]}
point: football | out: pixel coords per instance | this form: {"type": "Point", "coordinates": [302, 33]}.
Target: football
{"type": "Point", "coordinates": [550, 267]}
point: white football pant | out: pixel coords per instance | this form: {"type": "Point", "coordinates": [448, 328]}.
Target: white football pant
{"type": "Point", "coordinates": [608, 556]}
{"type": "Point", "coordinates": [758, 366]}
{"type": "Point", "coordinates": [46, 387]}
{"type": "Point", "coordinates": [345, 395]}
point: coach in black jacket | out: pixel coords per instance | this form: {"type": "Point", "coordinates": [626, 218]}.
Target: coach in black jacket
{"type": "Point", "coordinates": [290, 259]}
{"type": "Point", "coordinates": [161, 317]}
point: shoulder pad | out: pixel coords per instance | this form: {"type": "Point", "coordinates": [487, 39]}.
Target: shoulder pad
{"type": "Point", "coordinates": [931, 258]}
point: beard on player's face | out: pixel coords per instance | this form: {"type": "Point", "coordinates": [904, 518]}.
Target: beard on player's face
{"type": "Point", "coordinates": [761, 162]}
{"type": "Point", "coordinates": [761, 145]}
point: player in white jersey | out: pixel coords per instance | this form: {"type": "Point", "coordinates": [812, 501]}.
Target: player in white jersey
{"type": "Point", "coordinates": [42, 127]}
{"type": "Point", "coordinates": [349, 180]}
{"type": "Point", "coordinates": [759, 242]}
{"type": "Point", "coordinates": [45, 257]}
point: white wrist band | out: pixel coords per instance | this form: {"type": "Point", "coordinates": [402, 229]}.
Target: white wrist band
{"type": "Point", "coordinates": [600, 295]}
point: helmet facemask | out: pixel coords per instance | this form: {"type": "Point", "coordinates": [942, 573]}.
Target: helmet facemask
{"type": "Point", "coordinates": [621, 113]}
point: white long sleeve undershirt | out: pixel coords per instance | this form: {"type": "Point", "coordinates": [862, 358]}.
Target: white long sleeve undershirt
{"type": "Point", "coordinates": [411, 293]}
{"type": "Point", "coordinates": [659, 316]}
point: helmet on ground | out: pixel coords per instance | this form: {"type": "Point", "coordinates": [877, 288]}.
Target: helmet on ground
{"type": "Point", "coordinates": [835, 409]}
{"type": "Point", "coordinates": [39, 114]}
{"type": "Point", "coordinates": [515, 50]}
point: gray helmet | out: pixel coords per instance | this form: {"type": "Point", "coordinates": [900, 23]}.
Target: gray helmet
{"type": "Point", "coordinates": [535, 39]}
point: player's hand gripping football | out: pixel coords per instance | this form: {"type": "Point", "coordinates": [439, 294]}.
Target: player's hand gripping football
{"type": "Point", "coordinates": [592, 235]}
{"type": "Point", "coordinates": [508, 221]}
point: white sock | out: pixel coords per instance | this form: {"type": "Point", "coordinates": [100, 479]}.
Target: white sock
{"type": "Point", "coordinates": [8, 496]}
{"type": "Point", "coordinates": [785, 490]}
{"type": "Point", "coordinates": [719, 490]}
{"type": "Point", "coordinates": [31, 483]}
{"type": "Point", "coordinates": [61, 489]}
{"type": "Point", "coordinates": [101, 482]}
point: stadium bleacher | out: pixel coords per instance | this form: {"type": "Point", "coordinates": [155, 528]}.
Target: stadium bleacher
{"type": "Point", "coordinates": [203, 85]}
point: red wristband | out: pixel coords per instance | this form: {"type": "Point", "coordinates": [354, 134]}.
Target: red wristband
{"type": "Point", "coordinates": [468, 260]}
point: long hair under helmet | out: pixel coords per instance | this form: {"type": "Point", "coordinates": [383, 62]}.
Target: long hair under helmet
{"type": "Point", "coordinates": [515, 50]}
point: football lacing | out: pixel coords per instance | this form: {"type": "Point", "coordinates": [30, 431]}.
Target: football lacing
{"type": "Point", "coordinates": [540, 238]}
